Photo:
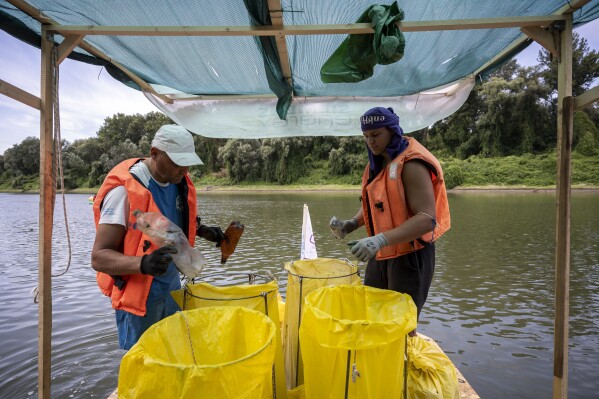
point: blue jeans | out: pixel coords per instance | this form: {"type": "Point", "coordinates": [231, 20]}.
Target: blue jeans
{"type": "Point", "coordinates": [160, 304]}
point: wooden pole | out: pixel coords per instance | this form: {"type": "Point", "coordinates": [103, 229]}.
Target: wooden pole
{"type": "Point", "coordinates": [46, 210]}
{"type": "Point", "coordinates": [276, 18]}
{"type": "Point", "coordinates": [565, 110]}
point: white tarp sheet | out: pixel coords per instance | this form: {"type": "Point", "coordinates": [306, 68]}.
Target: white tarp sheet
{"type": "Point", "coordinates": [317, 116]}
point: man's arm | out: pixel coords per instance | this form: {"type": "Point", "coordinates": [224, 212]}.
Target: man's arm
{"type": "Point", "coordinates": [106, 255]}
{"type": "Point", "coordinates": [420, 197]}
{"type": "Point", "coordinates": [360, 217]}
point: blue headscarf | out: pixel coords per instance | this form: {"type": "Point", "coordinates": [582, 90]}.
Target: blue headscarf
{"type": "Point", "coordinates": [383, 117]}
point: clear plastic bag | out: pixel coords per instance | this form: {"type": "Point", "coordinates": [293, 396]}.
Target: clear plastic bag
{"type": "Point", "coordinates": [162, 232]}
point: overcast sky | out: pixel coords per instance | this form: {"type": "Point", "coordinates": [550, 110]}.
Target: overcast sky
{"type": "Point", "coordinates": [88, 94]}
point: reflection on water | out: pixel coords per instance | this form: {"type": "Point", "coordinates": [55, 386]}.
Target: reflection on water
{"type": "Point", "coordinates": [490, 306]}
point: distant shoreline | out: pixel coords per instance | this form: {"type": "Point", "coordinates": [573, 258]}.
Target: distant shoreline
{"type": "Point", "coordinates": [327, 189]}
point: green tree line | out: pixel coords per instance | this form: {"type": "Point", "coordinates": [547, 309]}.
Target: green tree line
{"type": "Point", "coordinates": [512, 113]}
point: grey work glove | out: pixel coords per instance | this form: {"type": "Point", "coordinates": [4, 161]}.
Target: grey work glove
{"type": "Point", "coordinates": [341, 228]}
{"type": "Point", "coordinates": [156, 263]}
{"type": "Point", "coordinates": [367, 247]}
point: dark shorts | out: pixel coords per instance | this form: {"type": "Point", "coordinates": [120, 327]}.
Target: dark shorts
{"type": "Point", "coordinates": [410, 274]}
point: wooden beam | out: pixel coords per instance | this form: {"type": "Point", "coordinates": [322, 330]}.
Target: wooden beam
{"type": "Point", "coordinates": [31, 11]}
{"type": "Point", "coordinates": [276, 17]}
{"type": "Point", "coordinates": [47, 21]}
{"type": "Point", "coordinates": [562, 235]}
{"type": "Point", "coordinates": [568, 8]}
{"type": "Point", "coordinates": [574, 5]}
{"type": "Point", "coordinates": [142, 83]}
{"type": "Point", "coordinates": [500, 55]}
{"type": "Point", "coordinates": [145, 86]}
{"type": "Point", "coordinates": [549, 40]}
{"type": "Point", "coordinates": [357, 28]}
{"type": "Point", "coordinates": [19, 94]}
{"type": "Point", "coordinates": [586, 98]}
{"type": "Point", "coordinates": [46, 215]}
{"type": "Point", "coordinates": [67, 45]}
{"type": "Point", "coordinates": [480, 23]}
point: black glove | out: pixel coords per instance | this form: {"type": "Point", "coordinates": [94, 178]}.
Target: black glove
{"type": "Point", "coordinates": [213, 234]}
{"type": "Point", "coordinates": [157, 262]}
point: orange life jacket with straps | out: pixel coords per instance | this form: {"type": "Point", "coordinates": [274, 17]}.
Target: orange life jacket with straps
{"type": "Point", "coordinates": [134, 288]}
{"type": "Point", "coordinates": [384, 202]}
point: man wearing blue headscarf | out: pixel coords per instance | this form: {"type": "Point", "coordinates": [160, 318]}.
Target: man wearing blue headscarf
{"type": "Point", "coordinates": [404, 209]}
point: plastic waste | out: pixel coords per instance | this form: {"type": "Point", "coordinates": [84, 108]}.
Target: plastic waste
{"type": "Point", "coordinates": [162, 232]}
{"type": "Point", "coordinates": [229, 243]}
{"type": "Point", "coordinates": [336, 226]}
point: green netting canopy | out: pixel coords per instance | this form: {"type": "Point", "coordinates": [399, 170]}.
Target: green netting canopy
{"type": "Point", "coordinates": [432, 79]}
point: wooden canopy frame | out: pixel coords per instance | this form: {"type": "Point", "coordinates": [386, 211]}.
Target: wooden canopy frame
{"type": "Point", "coordinates": [558, 43]}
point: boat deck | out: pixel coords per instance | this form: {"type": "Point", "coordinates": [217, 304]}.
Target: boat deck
{"type": "Point", "coordinates": [466, 390]}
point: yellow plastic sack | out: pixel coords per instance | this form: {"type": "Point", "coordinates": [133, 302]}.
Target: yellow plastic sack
{"type": "Point", "coordinates": [296, 393]}
{"type": "Point", "coordinates": [431, 375]}
{"type": "Point", "coordinates": [281, 304]}
{"type": "Point", "coordinates": [261, 297]}
{"type": "Point", "coordinates": [352, 340]}
{"type": "Point", "coordinates": [303, 277]}
{"type": "Point", "coordinates": [214, 352]}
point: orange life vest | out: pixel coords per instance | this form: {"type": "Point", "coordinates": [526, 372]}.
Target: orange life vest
{"type": "Point", "coordinates": [384, 202]}
{"type": "Point", "coordinates": [132, 298]}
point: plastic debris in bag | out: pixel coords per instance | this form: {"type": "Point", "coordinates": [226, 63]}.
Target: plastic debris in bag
{"type": "Point", "coordinates": [162, 232]}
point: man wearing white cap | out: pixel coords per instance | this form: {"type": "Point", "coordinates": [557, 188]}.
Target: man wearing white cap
{"type": "Point", "coordinates": [135, 274]}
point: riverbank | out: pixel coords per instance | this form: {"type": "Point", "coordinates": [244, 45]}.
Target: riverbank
{"type": "Point", "coordinates": [334, 188]}
{"type": "Point", "coordinates": [527, 172]}
{"type": "Point", "coordinates": [328, 188]}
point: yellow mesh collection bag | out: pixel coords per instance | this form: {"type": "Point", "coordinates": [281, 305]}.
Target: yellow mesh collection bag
{"type": "Point", "coordinates": [431, 375]}
{"type": "Point", "coordinates": [263, 298]}
{"type": "Point", "coordinates": [214, 352]}
{"type": "Point", "coordinates": [353, 342]}
{"type": "Point", "coordinates": [303, 277]}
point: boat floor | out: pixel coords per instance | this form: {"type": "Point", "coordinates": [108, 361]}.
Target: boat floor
{"type": "Point", "coordinates": [466, 391]}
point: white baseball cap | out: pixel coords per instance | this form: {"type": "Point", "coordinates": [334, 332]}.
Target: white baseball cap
{"type": "Point", "coordinates": [177, 142]}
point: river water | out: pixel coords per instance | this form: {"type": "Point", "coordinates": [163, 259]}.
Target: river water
{"type": "Point", "coordinates": [490, 306]}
